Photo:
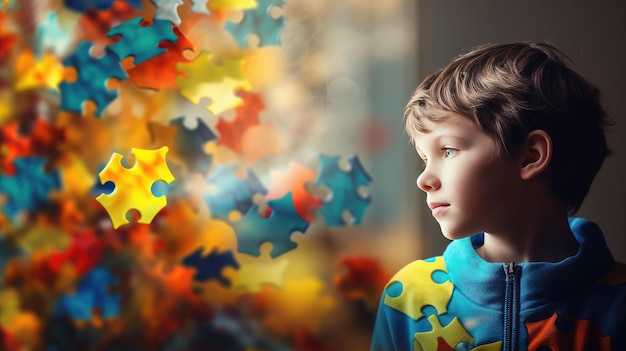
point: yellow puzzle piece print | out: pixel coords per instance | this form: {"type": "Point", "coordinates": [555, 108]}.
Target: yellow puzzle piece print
{"type": "Point", "coordinates": [417, 293]}
{"type": "Point", "coordinates": [133, 185]}
{"type": "Point", "coordinates": [452, 334]}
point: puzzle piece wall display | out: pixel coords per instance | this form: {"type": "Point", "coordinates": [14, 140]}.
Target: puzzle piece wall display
{"type": "Point", "coordinates": [189, 144]}
{"type": "Point", "coordinates": [180, 244]}
{"type": "Point", "coordinates": [133, 186]}
{"type": "Point", "coordinates": [159, 72]}
{"type": "Point", "coordinates": [91, 82]}
{"type": "Point", "coordinates": [408, 295]}
{"type": "Point", "coordinates": [233, 193]}
{"type": "Point", "coordinates": [140, 40]}
{"type": "Point", "coordinates": [344, 189]}
{"type": "Point", "coordinates": [215, 78]}
{"type": "Point", "coordinates": [259, 22]}
{"type": "Point", "coordinates": [253, 230]}
{"type": "Point", "coordinates": [93, 291]}
{"type": "Point", "coordinates": [210, 266]}
{"type": "Point", "coordinates": [28, 188]}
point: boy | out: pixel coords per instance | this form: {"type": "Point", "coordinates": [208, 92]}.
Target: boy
{"type": "Point", "coordinates": [511, 137]}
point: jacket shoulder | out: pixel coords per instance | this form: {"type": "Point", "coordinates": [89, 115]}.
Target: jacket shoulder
{"type": "Point", "coordinates": [418, 284]}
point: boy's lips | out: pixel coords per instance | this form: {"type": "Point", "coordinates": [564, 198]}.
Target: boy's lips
{"type": "Point", "coordinates": [438, 208]}
{"type": "Point", "coordinates": [434, 205]}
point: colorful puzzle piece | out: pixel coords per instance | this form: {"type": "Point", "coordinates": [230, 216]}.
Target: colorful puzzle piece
{"type": "Point", "coordinates": [408, 295]}
{"type": "Point", "coordinates": [294, 181]}
{"type": "Point", "coordinates": [46, 72]}
{"type": "Point", "coordinates": [260, 23]}
{"type": "Point", "coordinates": [43, 139]}
{"type": "Point", "coordinates": [84, 5]}
{"type": "Point", "coordinates": [199, 6]}
{"type": "Point", "coordinates": [159, 72]}
{"type": "Point", "coordinates": [84, 252]}
{"type": "Point", "coordinates": [210, 266]}
{"type": "Point", "coordinates": [233, 193]}
{"type": "Point", "coordinates": [256, 273]}
{"type": "Point", "coordinates": [216, 79]}
{"type": "Point", "coordinates": [139, 40]}
{"type": "Point", "coordinates": [167, 10]}
{"type": "Point", "coordinates": [344, 187]}
{"type": "Point", "coordinates": [51, 37]}
{"type": "Point", "coordinates": [91, 82]}
{"type": "Point", "coordinates": [92, 292]}
{"type": "Point", "coordinates": [246, 116]}
{"type": "Point", "coordinates": [133, 186]}
{"type": "Point", "coordinates": [229, 5]}
{"type": "Point", "coordinates": [189, 144]}
{"type": "Point", "coordinates": [363, 279]}
{"type": "Point", "coordinates": [253, 230]}
{"type": "Point", "coordinates": [29, 187]}
{"type": "Point", "coordinates": [584, 335]}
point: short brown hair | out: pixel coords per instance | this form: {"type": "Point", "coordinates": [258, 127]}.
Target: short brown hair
{"type": "Point", "coordinates": [510, 90]}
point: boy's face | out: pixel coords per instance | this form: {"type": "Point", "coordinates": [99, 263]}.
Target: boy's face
{"type": "Point", "coordinates": [469, 188]}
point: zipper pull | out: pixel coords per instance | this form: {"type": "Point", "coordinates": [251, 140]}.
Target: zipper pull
{"type": "Point", "coordinates": [509, 270]}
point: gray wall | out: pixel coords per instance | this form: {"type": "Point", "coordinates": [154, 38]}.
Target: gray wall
{"type": "Point", "coordinates": [593, 34]}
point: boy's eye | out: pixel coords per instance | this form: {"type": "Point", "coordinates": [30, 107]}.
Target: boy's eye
{"type": "Point", "coordinates": [449, 152]}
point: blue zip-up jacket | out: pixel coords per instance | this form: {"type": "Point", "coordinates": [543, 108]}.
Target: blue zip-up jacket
{"type": "Point", "coordinates": [459, 301]}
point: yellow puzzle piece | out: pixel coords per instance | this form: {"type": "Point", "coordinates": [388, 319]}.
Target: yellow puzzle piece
{"type": "Point", "coordinates": [133, 185]}
{"type": "Point", "coordinates": [452, 334]}
{"type": "Point", "coordinates": [417, 293]}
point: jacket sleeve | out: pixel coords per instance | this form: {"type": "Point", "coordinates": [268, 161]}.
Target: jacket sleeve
{"type": "Point", "coordinates": [382, 338]}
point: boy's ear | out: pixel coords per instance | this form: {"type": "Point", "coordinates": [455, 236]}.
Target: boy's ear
{"type": "Point", "coordinates": [535, 154]}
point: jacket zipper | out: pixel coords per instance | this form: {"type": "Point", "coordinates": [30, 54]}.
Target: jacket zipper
{"type": "Point", "coordinates": [511, 308]}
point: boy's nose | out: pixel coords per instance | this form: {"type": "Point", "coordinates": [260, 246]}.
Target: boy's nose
{"type": "Point", "coordinates": [428, 182]}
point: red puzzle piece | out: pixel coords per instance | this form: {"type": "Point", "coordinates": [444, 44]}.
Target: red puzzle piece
{"type": "Point", "coordinates": [246, 116]}
{"type": "Point", "coordinates": [160, 71]}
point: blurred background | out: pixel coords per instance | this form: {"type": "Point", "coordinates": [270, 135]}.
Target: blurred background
{"type": "Point", "coordinates": [310, 103]}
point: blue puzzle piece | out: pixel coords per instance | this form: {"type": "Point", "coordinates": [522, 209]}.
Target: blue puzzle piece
{"type": "Point", "coordinates": [232, 193]}
{"type": "Point", "coordinates": [84, 5]}
{"type": "Point", "coordinates": [258, 21]}
{"type": "Point", "coordinates": [92, 292]}
{"type": "Point", "coordinates": [253, 230]}
{"type": "Point", "coordinates": [189, 144]}
{"type": "Point", "coordinates": [210, 266]}
{"type": "Point", "coordinates": [344, 189]}
{"type": "Point", "coordinates": [99, 188]}
{"type": "Point", "coordinates": [141, 42]}
{"type": "Point", "coordinates": [92, 76]}
{"type": "Point", "coordinates": [29, 187]}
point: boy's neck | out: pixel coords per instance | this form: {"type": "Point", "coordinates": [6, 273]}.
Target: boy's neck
{"type": "Point", "coordinates": [544, 237]}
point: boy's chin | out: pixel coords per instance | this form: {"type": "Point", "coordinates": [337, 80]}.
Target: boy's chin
{"type": "Point", "coordinates": [454, 234]}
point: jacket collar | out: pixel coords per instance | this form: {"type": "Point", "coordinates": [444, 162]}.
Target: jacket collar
{"type": "Point", "coordinates": [541, 282]}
